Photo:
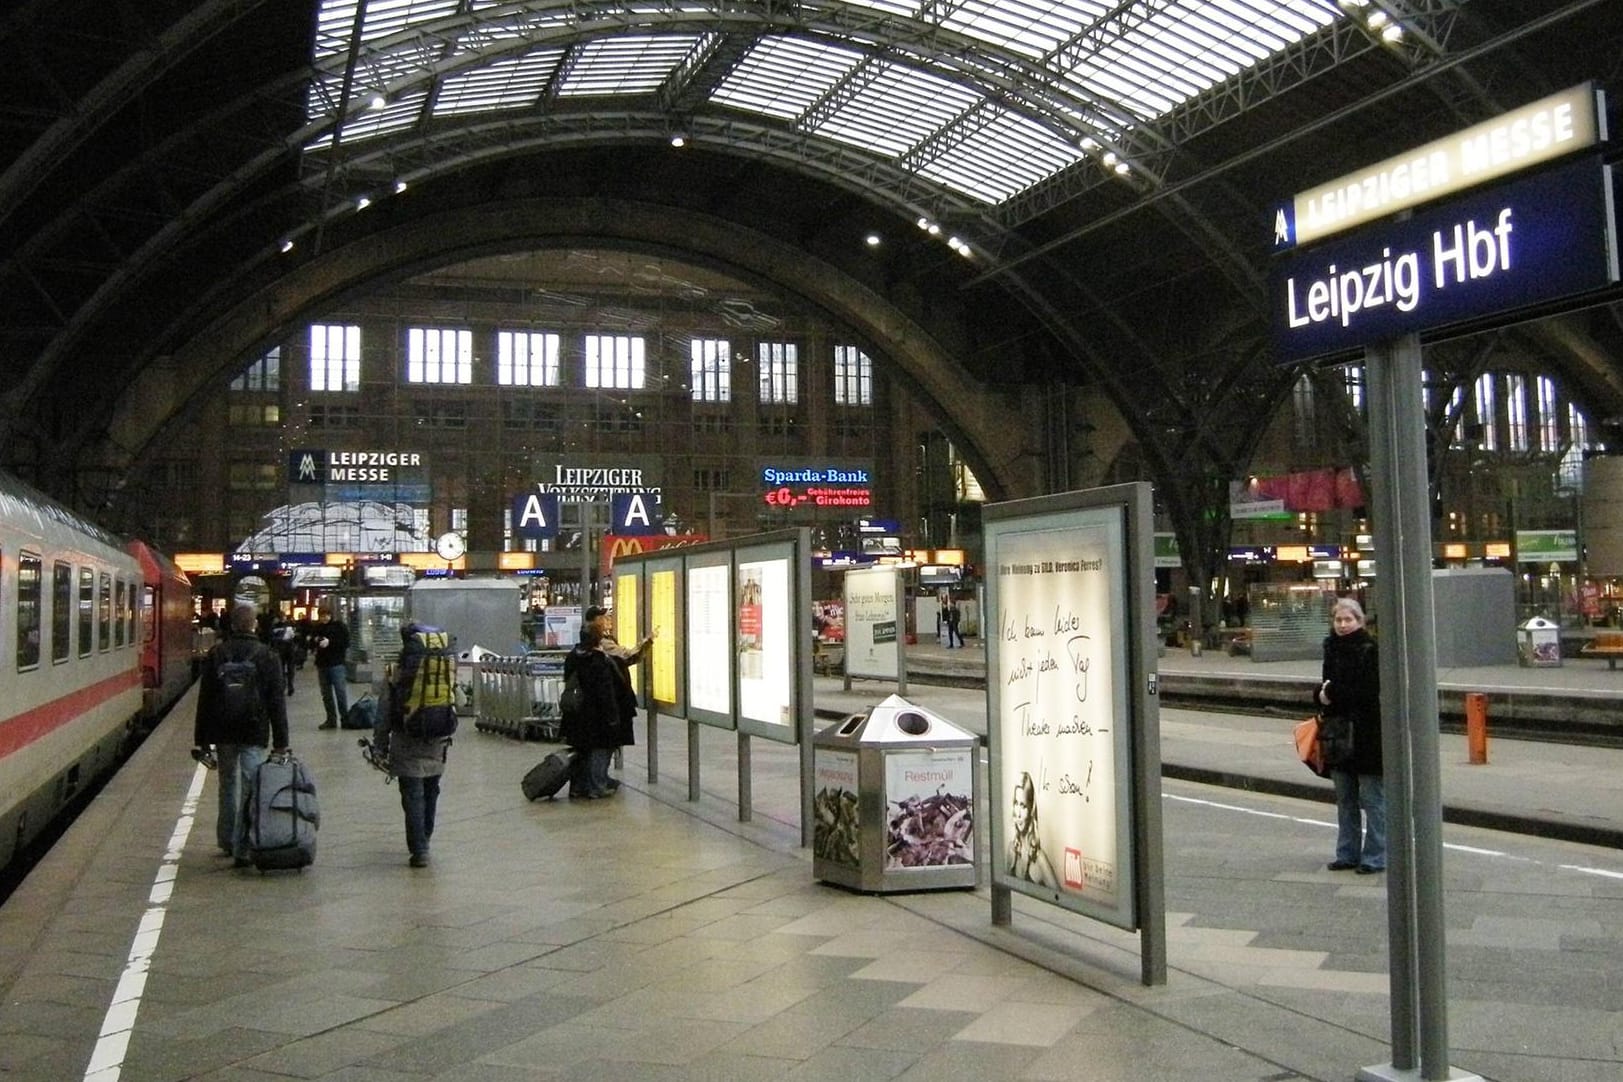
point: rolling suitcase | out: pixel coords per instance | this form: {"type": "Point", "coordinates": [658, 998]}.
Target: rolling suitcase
{"type": "Point", "coordinates": [549, 775]}
{"type": "Point", "coordinates": [283, 815]}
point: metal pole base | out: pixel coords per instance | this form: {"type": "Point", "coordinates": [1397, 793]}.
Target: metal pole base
{"type": "Point", "coordinates": [1388, 1073]}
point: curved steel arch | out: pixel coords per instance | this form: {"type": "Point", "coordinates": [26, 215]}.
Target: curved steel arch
{"type": "Point", "coordinates": [983, 422]}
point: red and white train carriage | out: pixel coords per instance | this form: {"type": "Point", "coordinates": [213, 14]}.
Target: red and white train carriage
{"type": "Point", "coordinates": [95, 641]}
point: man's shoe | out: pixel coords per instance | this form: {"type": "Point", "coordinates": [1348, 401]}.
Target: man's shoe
{"type": "Point", "coordinates": [1369, 869]}
{"type": "Point", "coordinates": [419, 860]}
{"type": "Point", "coordinates": [1341, 865]}
{"type": "Point", "coordinates": [328, 725]}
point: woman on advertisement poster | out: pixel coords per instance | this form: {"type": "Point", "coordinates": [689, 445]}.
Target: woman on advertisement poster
{"type": "Point", "coordinates": [1027, 859]}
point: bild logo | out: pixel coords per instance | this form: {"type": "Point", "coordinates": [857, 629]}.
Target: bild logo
{"type": "Point", "coordinates": [1074, 879]}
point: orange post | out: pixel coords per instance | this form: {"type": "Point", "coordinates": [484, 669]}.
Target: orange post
{"type": "Point", "coordinates": [1476, 727]}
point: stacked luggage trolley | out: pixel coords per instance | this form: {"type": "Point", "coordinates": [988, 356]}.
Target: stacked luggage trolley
{"type": "Point", "coordinates": [517, 695]}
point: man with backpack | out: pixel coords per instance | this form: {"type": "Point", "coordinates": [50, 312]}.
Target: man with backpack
{"type": "Point", "coordinates": [240, 710]}
{"type": "Point", "coordinates": [415, 722]}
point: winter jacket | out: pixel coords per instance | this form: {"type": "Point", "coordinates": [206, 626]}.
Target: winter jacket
{"type": "Point", "coordinates": [336, 652]}
{"type": "Point", "coordinates": [608, 703]}
{"type": "Point", "coordinates": [1354, 675]}
{"type": "Point", "coordinates": [270, 725]}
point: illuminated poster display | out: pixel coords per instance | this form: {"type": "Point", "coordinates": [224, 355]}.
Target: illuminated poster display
{"type": "Point", "coordinates": [708, 642]}
{"type": "Point", "coordinates": [765, 616]}
{"type": "Point", "coordinates": [872, 620]}
{"type": "Point", "coordinates": [662, 614]}
{"type": "Point", "coordinates": [1057, 678]}
{"type": "Point", "coordinates": [627, 608]}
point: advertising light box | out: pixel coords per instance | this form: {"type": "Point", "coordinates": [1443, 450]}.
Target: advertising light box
{"type": "Point", "coordinates": [1057, 681]}
{"type": "Point", "coordinates": [709, 640]}
{"type": "Point", "coordinates": [1526, 242]}
{"type": "Point", "coordinates": [664, 596]}
{"type": "Point", "coordinates": [872, 619]}
{"type": "Point", "coordinates": [765, 623]}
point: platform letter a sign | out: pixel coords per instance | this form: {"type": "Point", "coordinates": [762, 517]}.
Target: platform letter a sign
{"type": "Point", "coordinates": [636, 514]}
{"type": "Point", "coordinates": [535, 514]}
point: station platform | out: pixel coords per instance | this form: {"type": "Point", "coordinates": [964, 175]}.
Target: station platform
{"type": "Point", "coordinates": [650, 937]}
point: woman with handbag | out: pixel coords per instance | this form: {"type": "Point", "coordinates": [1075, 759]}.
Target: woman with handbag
{"type": "Point", "coordinates": [1349, 695]}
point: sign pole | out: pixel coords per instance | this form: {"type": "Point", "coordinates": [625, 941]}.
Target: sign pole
{"type": "Point", "coordinates": [1409, 710]}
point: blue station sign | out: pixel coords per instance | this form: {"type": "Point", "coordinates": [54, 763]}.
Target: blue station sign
{"type": "Point", "coordinates": [1530, 241]}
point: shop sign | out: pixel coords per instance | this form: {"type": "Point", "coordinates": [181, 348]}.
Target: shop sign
{"type": "Point", "coordinates": [315, 466]}
{"type": "Point", "coordinates": [615, 546]}
{"type": "Point", "coordinates": [1527, 242]}
{"type": "Point", "coordinates": [1542, 131]}
{"type": "Point", "coordinates": [535, 515]}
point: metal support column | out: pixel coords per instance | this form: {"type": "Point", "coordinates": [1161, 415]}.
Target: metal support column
{"type": "Point", "coordinates": [1400, 507]}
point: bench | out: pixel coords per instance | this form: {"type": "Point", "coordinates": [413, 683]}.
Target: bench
{"type": "Point", "coordinates": [1608, 644]}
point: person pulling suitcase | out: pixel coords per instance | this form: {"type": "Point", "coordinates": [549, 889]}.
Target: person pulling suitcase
{"type": "Point", "coordinates": [240, 711]}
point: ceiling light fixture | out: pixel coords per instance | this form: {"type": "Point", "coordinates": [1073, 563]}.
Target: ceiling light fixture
{"type": "Point", "coordinates": [399, 186]}
{"type": "Point", "coordinates": [379, 101]}
{"type": "Point", "coordinates": [286, 245]}
{"type": "Point", "coordinates": [872, 239]}
{"type": "Point", "coordinates": [679, 140]}
{"type": "Point", "coordinates": [363, 202]}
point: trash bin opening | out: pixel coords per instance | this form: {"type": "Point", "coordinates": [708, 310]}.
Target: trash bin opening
{"type": "Point", "coordinates": [851, 725]}
{"type": "Point", "coordinates": [912, 724]}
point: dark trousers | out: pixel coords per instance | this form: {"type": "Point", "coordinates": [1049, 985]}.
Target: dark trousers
{"type": "Point", "coordinates": [418, 798]}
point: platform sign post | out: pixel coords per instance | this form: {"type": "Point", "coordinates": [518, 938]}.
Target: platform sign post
{"type": "Point", "coordinates": [1494, 254]}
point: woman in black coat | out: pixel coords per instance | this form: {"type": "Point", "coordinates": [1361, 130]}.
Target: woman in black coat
{"type": "Point", "coordinates": [1350, 691]}
{"type": "Point", "coordinates": [603, 720]}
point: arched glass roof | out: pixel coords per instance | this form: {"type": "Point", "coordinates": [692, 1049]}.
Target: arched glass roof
{"type": "Point", "coordinates": [984, 97]}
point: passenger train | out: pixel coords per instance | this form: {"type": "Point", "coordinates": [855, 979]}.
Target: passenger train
{"type": "Point", "coordinates": [95, 644]}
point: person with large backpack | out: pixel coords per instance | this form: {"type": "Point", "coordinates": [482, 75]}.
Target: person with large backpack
{"type": "Point", "coordinates": [415, 721]}
{"type": "Point", "coordinates": [240, 711]}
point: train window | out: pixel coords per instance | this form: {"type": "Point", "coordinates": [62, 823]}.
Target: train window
{"type": "Point", "coordinates": [149, 614]}
{"type": "Point", "coordinates": [28, 610]}
{"type": "Point", "coordinates": [87, 611]}
{"type": "Point", "coordinates": [118, 614]}
{"type": "Point", "coordinates": [61, 612]}
{"type": "Point", "coordinates": [104, 614]}
{"type": "Point", "coordinates": [129, 616]}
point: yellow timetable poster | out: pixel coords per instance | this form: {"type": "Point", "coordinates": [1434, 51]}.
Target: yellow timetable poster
{"type": "Point", "coordinates": [662, 614]}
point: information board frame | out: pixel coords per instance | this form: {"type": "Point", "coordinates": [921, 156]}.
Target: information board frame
{"type": "Point", "coordinates": [669, 658]}
{"type": "Point", "coordinates": [709, 630]}
{"type": "Point", "coordinates": [773, 612]}
{"type": "Point", "coordinates": [1070, 605]}
{"type": "Point", "coordinates": [868, 654]}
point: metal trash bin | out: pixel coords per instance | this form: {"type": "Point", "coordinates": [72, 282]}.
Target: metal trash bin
{"type": "Point", "coordinates": [1538, 643]}
{"type": "Point", "coordinates": [895, 801]}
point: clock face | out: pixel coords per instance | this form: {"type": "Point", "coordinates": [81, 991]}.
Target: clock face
{"type": "Point", "coordinates": [449, 546]}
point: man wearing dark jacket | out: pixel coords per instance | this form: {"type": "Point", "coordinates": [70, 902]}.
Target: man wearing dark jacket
{"type": "Point", "coordinates": [332, 652]}
{"type": "Point", "coordinates": [239, 731]}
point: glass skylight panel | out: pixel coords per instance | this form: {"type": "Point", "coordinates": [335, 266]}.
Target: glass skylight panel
{"type": "Point", "coordinates": [386, 17]}
{"type": "Point", "coordinates": [1032, 28]}
{"type": "Point", "coordinates": [1006, 155]}
{"type": "Point", "coordinates": [784, 77]}
{"type": "Point", "coordinates": [626, 65]}
{"type": "Point", "coordinates": [396, 116]}
{"type": "Point", "coordinates": [897, 110]}
{"type": "Point", "coordinates": [504, 84]}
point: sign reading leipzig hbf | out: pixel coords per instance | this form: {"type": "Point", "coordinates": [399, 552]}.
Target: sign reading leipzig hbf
{"type": "Point", "coordinates": [1540, 238]}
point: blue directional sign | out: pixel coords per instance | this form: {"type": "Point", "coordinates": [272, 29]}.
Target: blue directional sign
{"type": "Point", "coordinates": [635, 514]}
{"type": "Point", "coordinates": [535, 515]}
{"type": "Point", "coordinates": [1527, 242]}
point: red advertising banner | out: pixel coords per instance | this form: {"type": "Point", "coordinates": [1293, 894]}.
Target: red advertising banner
{"type": "Point", "coordinates": [614, 546]}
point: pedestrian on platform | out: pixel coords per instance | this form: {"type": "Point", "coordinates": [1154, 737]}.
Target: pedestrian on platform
{"type": "Point", "coordinates": [1350, 692]}
{"type": "Point", "coordinates": [603, 723]}
{"type": "Point", "coordinates": [240, 711]}
{"type": "Point", "coordinates": [417, 763]}
{"type": "Point", "coordinates": [953, 618]}
{"type": "Point", "coordinates": [332, 652]}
